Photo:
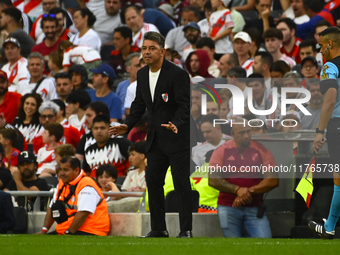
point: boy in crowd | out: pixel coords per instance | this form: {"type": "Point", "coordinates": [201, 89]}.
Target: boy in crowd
{"type": "Point", "coordinates": [106, 176]}
{"type": "Point", "coordinates": [46, 155]}
{"type": "Point", "coordinates": [8, 138]}
{"type": "Point", "coordinates": [135, 179]}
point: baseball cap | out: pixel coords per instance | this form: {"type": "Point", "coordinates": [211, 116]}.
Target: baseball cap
{"type": "Point", "coordinates": [226, 2]}
{"type": "Point", "coordinates": [106, 70]}
{"type": "Point", "coordinates": [192, 25]}
{"type": "Point", "coordinates": [309, 58]}
{"type": "Point", "coordinates": [3, 75]}
{"type": "Point", "coordinates": [26, 156]}
{"type": "Point", "coordinates": [167, 8]}
{"type": "Point", "coordinates": [243, 36]}
{"type": "Point", "coordinates": [11, 40]}
{"type": "Point", "coordinates": [293, 115]}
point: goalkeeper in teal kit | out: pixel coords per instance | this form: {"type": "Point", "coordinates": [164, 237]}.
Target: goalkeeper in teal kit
{"type": "Point", "coordinates": [330, 120]}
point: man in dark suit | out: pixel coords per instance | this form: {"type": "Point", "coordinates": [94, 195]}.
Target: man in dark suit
{"type": "Point", "coordinates": [164, 90]}
{"type": "Point", "coordinates": [7, 220]}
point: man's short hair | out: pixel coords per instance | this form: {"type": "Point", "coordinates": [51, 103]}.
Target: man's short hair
{"type": "Point", "coordinates": [99, 108]}
{"type": "Point", "coordinates": [255, 77]}
{"type": "Point", "coordinates": [8, 3]}
{"type": "Point", "coordinates": [289, 22]}
{"type": "Point", "coordinates": [308, 43]}
{"type": "Point", "coordinates": [209, 118]}
{"type": "Point", "coordinates": [311, 82]}
{"type": "Point", "coordinates": [190, 8]}
{"type": "Point", "coordinates": [129, 58]}
{"type": "Point", "coordinates": [102, 118]}
{"type": "Point", "coordinates": [79, 96]}
{"type": "Point", "coordinates": [156, 37]}
{"type": "Point", "coordinates": [255, 35]}
{"type": "Point", "coordinates": [36, 55]}
{"type": "Point", "coordinates": [293, 74]}
{"type": "Point", "coordinates": [280, 66]}
{"type": "Point", "coordinates": [125, 32]}
{"type": "Point", "coordinates": [57, 10]}
{"type": "Point", "coordinates": [237, 72]}
{"type": "Point", "coordinates": [273, 32]}
{"type": "Point", "coordinates": [266, 58]}
{"type": "Point", "coordinates": [74, 162]}
{"type": "Point", "coordinates": [55, 129]}
{"type": "Point", "coordinates": [138, 147]}
{"type": "Point", "coordinates": [14, 13]}
{"type": "Point", "coordinates": [314, 5]}
{"type": "Point", "coordinates": [9, 134]}
{"type": "Point", "coordinates": [205, 41]}
{"type": "Point", "coordinates": [61, 104]}
{"type": "Point", "coordinates": [48, 17]}
{"type": "Point", "coordinates": [322, 23]}
{"type": "Point", "coordinates": [110, 170]}
{"type": "Point", "coordinates": [49, 105]}
{"type": "Point", "coordinates": [65, 150]}
{"type": "Point", "coordinates": [64, 75]}
{"type": "Point", "coordinates": [137, 8]}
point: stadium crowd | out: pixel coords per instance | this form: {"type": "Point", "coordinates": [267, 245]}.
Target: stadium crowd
{"type": "Point", "coordinates": [69, 71]}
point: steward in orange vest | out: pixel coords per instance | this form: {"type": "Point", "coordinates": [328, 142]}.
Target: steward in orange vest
{"type": "Point", "coordinates": [78, 205]}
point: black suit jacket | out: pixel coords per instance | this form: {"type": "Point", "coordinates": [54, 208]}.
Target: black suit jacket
{"type": "Point", "coordinates": [171, 103]}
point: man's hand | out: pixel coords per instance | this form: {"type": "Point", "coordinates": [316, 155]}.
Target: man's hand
{"type": "Point", "coordinates": [41, 233]}
{"type": "Point", "coordinates": [265, 14]}
{"type": "Point", "coordinates": [245, 195]}
{"type": "Point", "coordinates": [318, 142]}
{"type": "Point", "coordinates": [170, 126]}
{"type": "Point", "coordinates": [118, 130]}
{"type": "Point", "coordinates": [16, 175]}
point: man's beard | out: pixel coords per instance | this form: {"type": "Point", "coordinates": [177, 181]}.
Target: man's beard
{"type": "Point", "coordinates": [3, 91]}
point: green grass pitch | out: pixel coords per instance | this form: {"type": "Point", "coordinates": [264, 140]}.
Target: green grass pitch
{"type": "Point", "coordinates": [64, 245]}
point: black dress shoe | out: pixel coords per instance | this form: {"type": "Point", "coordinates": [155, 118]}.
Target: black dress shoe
{"type": "Point", "coordinates": [154, 233]}
{"type": "Point", "coordinates": [185, 234]}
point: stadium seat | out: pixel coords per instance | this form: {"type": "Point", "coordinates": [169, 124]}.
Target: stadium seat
{"type": "Point", "coordinates": [120, 180]}
{"type": "Point", "coordinates": [248, 15]}
{"type": "Point", "coordinates": [171, 204]}
{"type": "Point", "coordinates": [105, 53]}
{"type": "Point", "coordinates": [52, 181]}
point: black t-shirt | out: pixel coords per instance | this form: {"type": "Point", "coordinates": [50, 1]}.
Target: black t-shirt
{"type": "Point", "coordinates": [5, 177]}
{"type": "Point", "coordinates": [258, 24]}
{"type": "Point", "coordinates": [41, 184]}
{"type": "Point", "coordinates": [86, 141]}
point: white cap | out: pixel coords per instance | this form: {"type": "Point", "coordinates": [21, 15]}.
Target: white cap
{"type": "Point", "coordinates": [226, 2]}
{"type": "Point", "coordinates": [243, 36]}
{"type": "Point", "coordinates": [167, 8]}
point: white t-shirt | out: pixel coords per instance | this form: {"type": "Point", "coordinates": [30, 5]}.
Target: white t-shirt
{"type": "Point", "coordinates": [134, 181]}
{"type": "Point", "coordinates": [90, 38]}
{"type": "Point", "coordinates": [130, 94]}
{"type": "Point", "coordinates": [187, 50]}
{"type": "Point", "coordinates": [288, 60]}
{"type": "Point", "coordinates": [153, 77]}
{"type": "Point", "coordinates": [204, 27]}
{"type": "Point", "coordinates": [46, 159]}
{"type": "Point", "coordinates": [223, 45]}
{"type": "Point", "coordinates": [137, 39]}
{"type": "Point", "coordinates": [105, 24]}
{"type": "Point", "coordinates": [74, 121]}
{"type": "Point", "coordinates": [46, 89]}
{"type": "Point", "coordinates": [16, 74]}
{"type": "Point", "coordinates": [93, 5]}
{"type": "Point", "coordinates": [79, 55]}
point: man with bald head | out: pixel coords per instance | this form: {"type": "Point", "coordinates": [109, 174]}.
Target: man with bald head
{"type": "Point", "coordinates": [243, 183]}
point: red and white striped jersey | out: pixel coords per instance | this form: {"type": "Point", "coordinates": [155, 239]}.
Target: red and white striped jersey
{"type": "Point", "coordinates": [46, 159]}
{"type": "Point", "coordinates": [16, 74]}
{"type": "Point", "coordinates": [137, 39]}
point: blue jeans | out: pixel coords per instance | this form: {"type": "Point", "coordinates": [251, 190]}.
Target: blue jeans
{"type": "Point", "coordinates": [232, 221]}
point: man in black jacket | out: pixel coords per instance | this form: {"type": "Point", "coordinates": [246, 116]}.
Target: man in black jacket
{"type": "Point", "coordinates": [164, 90]}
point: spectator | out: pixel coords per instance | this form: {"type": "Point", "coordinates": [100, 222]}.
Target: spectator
{"type": "Point", "coordinates": [242, 5]}
{"type": "Point", "coordinates": [208, 45]}
{"type": "Point", "coordinates": [55, 63]}
{"type": "Point", "coordinates": [264, 20]}
{"type": "Point", "coordinates": [213, 108]}
{"type": "Point", "coordinates": [135, 179]}
{"type": "Point", "coordinates": [81, 55]}
{"type": "Point", "coordinates": [62, 32]}
{"type": "Point", "coordinates": [25, 179]}
{"type": "Point", "coordinates": [132, 17]}
{"type": "Point", "coordinates": [39, 83]}
{"type": "Point", "coordinates": [292, 121]}
{"type": "Point", "coordinates": [204, 23]}
{"type": "Point", "coordinates": [242, 45]}
{"type": "Point", "coordinates": [106, 176]}
{"type": "Point", "coordinates": [77, 102]}
{"type": "Point", "coordinates": [132, 67]}
{"type": "Point", "coordinates": [94, 109]}
{"type": "Point", "coordinates": [107, 19]}
{"type": "Point", "coordinates": [221, 25]}
{"type": "Point", "coordinates": [64, 85]}
{"type": "Point", "coordinates": [61, 114]}
{"type": "Point", "coordinates": [155, 16]}
{"type": "Point", "coordinates": [224, 109]}
{"type": "Point", "coordinates": [193, 34]}
{"type": "Point", "coordinates": [273, 40]}
{"type": "Point", "coordinates": [240, 198]}
{"type": "Point", "coordinates": [262, 64]}
{"type": "Point", "coordinates": [309, 69]}
{"type": "Point", "coordinates": [290, 44]}
{"type": "Point", "coordinates": [46, 155]}
{"type": "Point", "coordinates": [213, 138]}
{"type": "Point", "coordinates": [256, 41]}
{"type": "Point", "coordinates": [277, 71]}
{"type": "Point", "coordinates": [122, 40]}
{"type": "Point", "coordinates": [10, 20]}
{"type": "Point", "coordinates": [226, 62]}
{"type": "Point", "coordinates": [7, 220]}
{"type": "Point", "coordinates": [5, 174]}
{"type": "Point", "coordinates": [79, 77]}
{"type": "Point", "coordinates": [9, 101]}
{"type": "Point", "coordinates": [315, 104]}
{"type": "Point", "coordinates": [167, 9]}
{"type": "Point", "coordinates": [292, 80]}
{"type": "Point", "coordinates": [200, 5]}
{"type": "Point", "coordinates": [300, 15]}
{"type": "Point", "coordinates": [62, 151]}
{"type": "Point", "coordinates": [179, 7]}
{"type": "Point", "coordinates": [28, 117]}
{"type": "Point", "coordinates": [16, 68]}
{"type": "Point", "coordinates": [89, 206]}
{"type": "Point", "coordinates": [106, 150]}
{"type": "Point", "coordinates": [197, 64]}
{"type": "Point", "coordinates": [49, 24]}
{"type": "Point", "coordinates": [83, 21]}
{"type": "Point", "coordinates": [8, 139]}
{"type": "Point", "coordinates": [102, 80]}
{"type": "Point", "coordinates": [175, 38]}
{"type": "Point", "coordinates": [307, 48]}
{"type": "Point", "coordinates": [319, 27]}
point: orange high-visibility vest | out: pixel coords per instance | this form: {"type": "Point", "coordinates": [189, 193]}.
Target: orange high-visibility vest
{"type": "Point", "coordinates": [97, 223]}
